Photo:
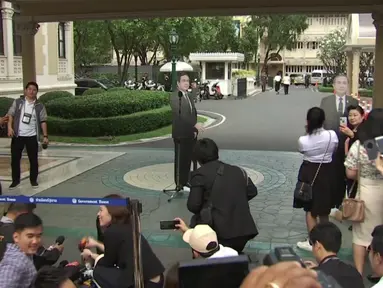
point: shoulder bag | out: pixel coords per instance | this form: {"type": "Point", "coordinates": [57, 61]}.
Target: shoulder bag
{"type": "Point", "coordinates": [353, 209]}
{"type": "Point", "coordinates": [205, 214]}
{"type": "Point", "coordinates": [304, 191]}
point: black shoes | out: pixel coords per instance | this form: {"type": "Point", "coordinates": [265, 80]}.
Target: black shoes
{"type": "Point", "coordinates": [14, 185]}
{"type": "Point", "coordinates": [34, 184]}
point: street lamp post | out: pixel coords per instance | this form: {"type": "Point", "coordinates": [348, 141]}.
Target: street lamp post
{"type": "Point", "coordinates": [173, 39]}
{"type": "Point", "coordinates": [258, 70]}
{"type": "Point", "coordinates": [135, 66]}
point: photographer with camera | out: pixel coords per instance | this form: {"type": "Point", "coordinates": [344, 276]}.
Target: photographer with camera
{"type": "Point", "coordinates": [326, 240]}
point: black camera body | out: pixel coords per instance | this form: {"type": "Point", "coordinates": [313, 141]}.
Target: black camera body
{"type": "Point", "coordinates": [281, 254]}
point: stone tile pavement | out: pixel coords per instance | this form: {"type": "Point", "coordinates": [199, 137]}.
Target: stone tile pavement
{"type": "Point", "coordinates": [274, 172]}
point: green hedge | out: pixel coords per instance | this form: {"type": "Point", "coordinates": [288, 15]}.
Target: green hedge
{"type": "Point", "coordinates": [93, 91]}
{"type": "Point", "coordinates": [5, 104]}
{"type": "Point", "coordinates": [112, 126]}
{"type": "Point", "coordinates": [54, 95]}
{"type": "Point", "coordinates": [362, 92]}
{"type": "Point", "coordinates": [107, 104]}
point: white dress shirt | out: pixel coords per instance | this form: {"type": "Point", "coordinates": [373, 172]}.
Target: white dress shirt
{"type": "Point", "coordinates": [379, 284]}
{"type": "Point", "coordinates": [313, 147]}
{"type": "Point", "coordinates": [28, 130]}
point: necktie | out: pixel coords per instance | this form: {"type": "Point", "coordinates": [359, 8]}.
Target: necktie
{"type": "Point", "coordinates": [340, 106]}
{"type": "Point", "coordinates": [187, 99]}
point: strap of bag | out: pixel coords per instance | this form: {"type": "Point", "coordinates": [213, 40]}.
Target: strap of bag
{"type": "Point", "coordinates": [358, 166]}
{"type": "Point", "coordinates": [321, 162]}
{"type": "Point", "coordinates": [220, 170]}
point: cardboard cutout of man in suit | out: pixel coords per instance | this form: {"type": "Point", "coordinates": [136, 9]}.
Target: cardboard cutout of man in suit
{"type": "Point", "coordinates": [185, 128]}
{"type": "Point", "coordinates": [335, 108]}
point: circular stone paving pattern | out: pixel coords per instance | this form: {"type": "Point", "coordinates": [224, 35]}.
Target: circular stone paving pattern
{"type": "Point", "coordinates": [157, 177]}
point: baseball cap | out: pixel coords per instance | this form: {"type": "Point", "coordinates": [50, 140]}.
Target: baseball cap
{"type": "Point", "coordinates": [200, 237]}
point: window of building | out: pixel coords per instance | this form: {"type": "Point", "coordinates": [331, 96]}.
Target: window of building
{"type": "Point", "coordinates": [61, 40]}
{"type": "Point", "coordinates": [215, 70]}
{"type": "Point", "coordinates": [1, 36]}
{"type": "Point", "coordinates": [17, 47]}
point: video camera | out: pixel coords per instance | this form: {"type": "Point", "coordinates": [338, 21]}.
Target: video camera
{"type": "Point", "coordinates": [281, 254]}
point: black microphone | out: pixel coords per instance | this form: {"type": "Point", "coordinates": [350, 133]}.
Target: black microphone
{"type": "Point", "coordinates": [63, 263]}
{"type": "Point", "coordinates": [60, 240]}
{"type": "Point", "coordinates": [180, 94]}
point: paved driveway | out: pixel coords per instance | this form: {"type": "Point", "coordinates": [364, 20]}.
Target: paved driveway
{"type": "Point", "coordinates": [263, 122]}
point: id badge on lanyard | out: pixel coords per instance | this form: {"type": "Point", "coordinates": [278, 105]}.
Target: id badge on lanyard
{"type": "Point", "coordinates": [27, 116]}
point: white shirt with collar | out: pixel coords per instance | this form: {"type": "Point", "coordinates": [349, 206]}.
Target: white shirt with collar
{"type": "Point", "coordinates": [344, 101]}
{"type": "Point", "coordinates": [313, 147]}
{"type": "Point", "coordinates": [28, 130]}
{"type": "Point", "coordinates": [379, 284]}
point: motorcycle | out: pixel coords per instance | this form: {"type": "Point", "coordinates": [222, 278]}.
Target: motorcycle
{"type": "Point", "coordinates": [204, 90]}
{"type": "Point", "coordinates": [216, 91]}
{"type": "Point", "coordinates": [130, 85]}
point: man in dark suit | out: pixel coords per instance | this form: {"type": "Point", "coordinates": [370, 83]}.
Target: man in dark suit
{"type": "Point", "coordinates": [185, 129]}
{"type": "Point", "coordinates": [227, 190]}
{"type": "Point", "coordinates": [335, 108]}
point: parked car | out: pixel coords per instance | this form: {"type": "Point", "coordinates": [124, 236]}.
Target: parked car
{"type": "Point", "coordinates": [297, 79]}
{"type": "Point", "coordinates": [87, 83]}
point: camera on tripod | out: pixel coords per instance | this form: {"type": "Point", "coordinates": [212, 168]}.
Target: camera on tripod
{"type": "Point", "coordinates": [281, 254]}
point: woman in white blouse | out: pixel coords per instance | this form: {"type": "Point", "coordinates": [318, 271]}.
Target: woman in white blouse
{"type": "Point", "coordinates": [370, 186]}
{"type": "Point", "coordinates": [317, 147]}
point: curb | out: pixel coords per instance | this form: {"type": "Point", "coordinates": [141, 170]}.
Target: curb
{"type": "Point", "coordinates": [209, 122]}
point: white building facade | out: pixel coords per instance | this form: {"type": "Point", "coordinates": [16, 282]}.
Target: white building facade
{"type": "Point", "coordinates": [51, 58]}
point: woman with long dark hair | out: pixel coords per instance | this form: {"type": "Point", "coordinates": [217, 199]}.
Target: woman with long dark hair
{"type": "Point", "coordinates": [358, 165]}
{"type": "Point", "coordinates": [116, 267]}
{"type": "Point", "coordinates": [317, 147]}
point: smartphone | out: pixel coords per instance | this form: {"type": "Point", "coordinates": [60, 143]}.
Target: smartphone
{"type": "Point", "coordinates": [373, 147]}
{"type": "Point", "coordinates": [343, 121]}
{"type": "Point", "coordinates": [169, 225]}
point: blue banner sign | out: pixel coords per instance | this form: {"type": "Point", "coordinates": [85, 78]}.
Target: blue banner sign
{"type": "Point", "coordinates": [63, 200]}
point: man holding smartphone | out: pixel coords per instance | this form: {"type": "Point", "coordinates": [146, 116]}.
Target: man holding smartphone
{"type": "Point", "coordinates": [27, 116]}
{"type": "Point", "coordinates": [335, 108]}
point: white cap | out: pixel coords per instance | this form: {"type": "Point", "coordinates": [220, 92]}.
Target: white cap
{"type": "Point", "coordinates": [200, 237]}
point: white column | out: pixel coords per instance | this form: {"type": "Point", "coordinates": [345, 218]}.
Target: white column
{"type": "Point", "coordinates": [203, 76]}
{"type": "Point", "coordinates": [28, 30]}
{"type": "Point", "coordinates": [7, 14]}
{"type": "Point", "coordinates": [355, 71]}
{"type": "Point", "coordinates": [378, 74]}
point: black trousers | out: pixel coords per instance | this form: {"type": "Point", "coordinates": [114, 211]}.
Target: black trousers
{"type": "Point", "coordinates": [17, 147]}
{"type": "Point", "coordinates": [286, 88]}
{"type": "Point", "coordinates": [237, 243]}
{"type": "Point", "coordinates": [277, 86]}
{"type": "Point", "coordinates": [263, 87]}
{"type": "Point", "coordinates": [183, 156]}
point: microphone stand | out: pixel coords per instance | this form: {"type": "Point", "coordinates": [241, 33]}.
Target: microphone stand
{"type": "Point", "coordinates": [177, 142]}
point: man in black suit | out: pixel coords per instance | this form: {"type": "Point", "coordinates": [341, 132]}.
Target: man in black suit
{"type": "Point", "coordinates": [185, 129]}
{"type": "Point", "coordinates": [335, 108]}
{"type": "Point", "coordinates": [227, 190]}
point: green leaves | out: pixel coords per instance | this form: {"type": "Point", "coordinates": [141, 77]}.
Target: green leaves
{"type": "Point", "coordinates": [331, 51]}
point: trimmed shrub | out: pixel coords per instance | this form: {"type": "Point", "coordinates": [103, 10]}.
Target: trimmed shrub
{"type": "Point", "coordinates": [362, 92]}
{"type": "Point", "coordinates": [93, 91]}
{"type": "Point", "coordinates": [53, 95]}
{"type": "Point", "coordinates": [5, 104]}
{"type": "Point", "coordinates": [112, 126]}
{"type": "Point", "coordinates": [116, 89]}
{"type": "Point", "coordinates": [107, 104]}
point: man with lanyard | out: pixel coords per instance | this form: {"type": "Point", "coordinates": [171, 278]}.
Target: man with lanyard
{"type": "Point", "coordinates": [326, 240]}
{"type": "Point", "coordinates": [26, 117]}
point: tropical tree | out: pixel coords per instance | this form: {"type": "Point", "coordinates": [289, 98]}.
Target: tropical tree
{"type": "Point", "coordinates": [249, 42]}
{"type": "Point", "coordinates": [90, 44]}
{"type": "Point", "coordinates": [279, 32]}
{"type": "Point", "coordinates": [331, 52]}
{"type": "Point", "coordinates": [367, 62]}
